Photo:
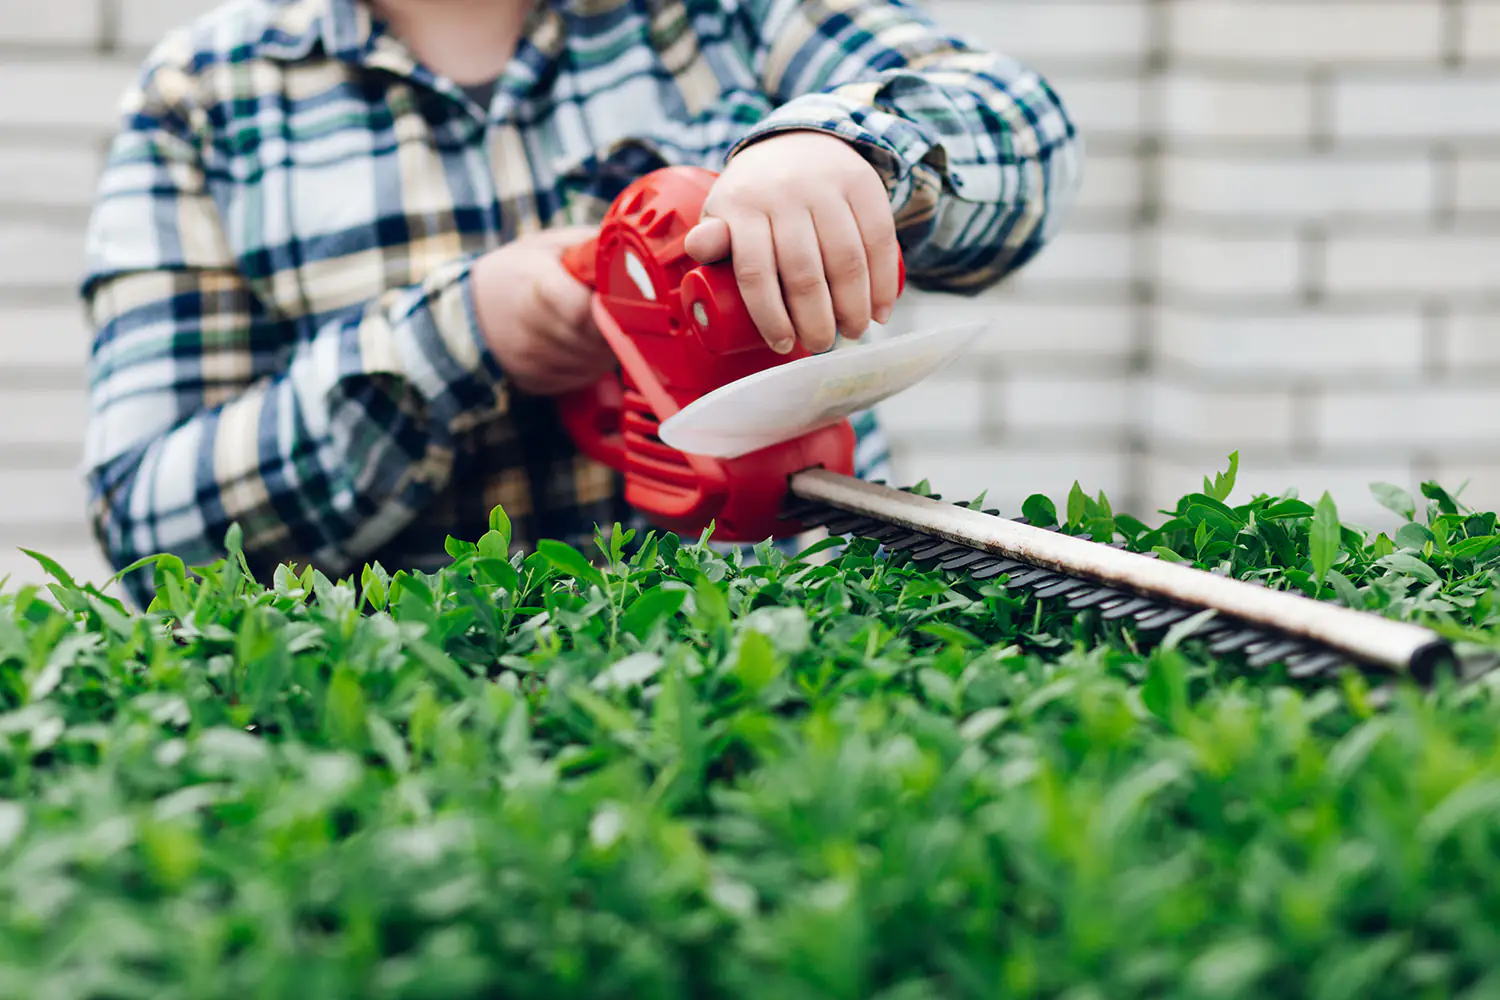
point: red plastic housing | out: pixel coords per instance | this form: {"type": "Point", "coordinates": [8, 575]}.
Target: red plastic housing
{"type": "Point", "coordinates": [681, 330]}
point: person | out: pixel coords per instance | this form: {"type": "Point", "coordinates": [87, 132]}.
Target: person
{"type": "Point", "coordinates": [324, 272]}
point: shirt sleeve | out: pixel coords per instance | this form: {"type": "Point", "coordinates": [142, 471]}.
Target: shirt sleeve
{"type": "Point", "coordinates": [979, 154]}
{"type": "Point", "coordinates": [205, 411]}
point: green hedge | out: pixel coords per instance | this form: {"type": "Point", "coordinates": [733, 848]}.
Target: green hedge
{"type": "Point", "coordinates": [677, 774]}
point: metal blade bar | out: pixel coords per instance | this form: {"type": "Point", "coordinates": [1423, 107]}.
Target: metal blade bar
{"type": "Point", "coordinates": [1151, 584]}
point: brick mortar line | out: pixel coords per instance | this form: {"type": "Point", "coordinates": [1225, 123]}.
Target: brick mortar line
{"type": "Point", "coordinates": [40, 536]}
{"type": "Point", "coordinates": [71, 217]}
{"type": "Point", "coordinates": [1185, 144]}
{"type": "Point", "coordinates": [31, 54]}
{"type": "Point", "coordinates": [1232, 228]}
{"type": "Point", "coordinates": [44, 377]}
{"type": "Point", "coordinates": [1331, 456]}
{"type": "Point", "coordinates": [1445, 179]}
{"type": "Point", "coordinates": [1035, 295]}
{"type": "Point", "coordinates": [1175, 296]}
{"type": "Point", "coordinates": [21, 135]}
{"type": "Point", "coordinates": [1045, 440]}
{"type": "Point", "coordinates": [109, 28]}
{"type": "Point", "coordinates": [1213, 382]}
{"type": "Point", "coordinates": [1238, 227]}
{"type": "Point", "coordinates": [1312, 268]}
{"type": "Point", "coordinates": [21, 465]}
{"type": "Point", "coordinates": [39, 296]}
{"type": "Point", "coordinates": [1240, 69]}
{"type": "Point", "coordinates": [1454, 21]}
{"type": "Point", "coordinates": [1434, 341]}
{"type": "Point", "coordinates": [1140, 443]}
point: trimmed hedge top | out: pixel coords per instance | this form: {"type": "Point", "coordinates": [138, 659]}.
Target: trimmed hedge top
{"type": "Point", "coordinates": [670, 773]}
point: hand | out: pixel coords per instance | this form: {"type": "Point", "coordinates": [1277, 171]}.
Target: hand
{"type": "Point", "coordinates": [535, 316]}
{"type": "Point", "coordinates": [809, 226]}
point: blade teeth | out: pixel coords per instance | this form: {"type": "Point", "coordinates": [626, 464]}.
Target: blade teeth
{"type": "Point", "coordinates": [969, 559]}
{"type": "Point", "coordinates": [1063, 588]}
{"type": "Point", "coordinates": [911, 541]}
{"type": "Point", "coordinates": [1315, 663]}
{"type": "Point", "coordinates": [1272, 652]}
{"type": "Point", "coordinates": [852, 524]}
{"type": "Point", "coordinates": [1129, 608]}
{"type": "Point", "coordinates": [1028, 576]}
{"type": "Point", "coordinates": [799, 510]}
{"type": "Point", "coordinates": [819, 516]}
{"type": "Point", "coordinates": [993, 568]}
{"type": "Point", "coordinates": [1100, 595]}
{"type": "Point", "coordinates": [1164, 619]}
{"type": "Point", "coordinates": [1214, 633]}
{"type": "Point", "coordinates": [1259, 649]}
{"type": "Point", "coordinates": [939, 550]}
{"type": "Point", "coordinates": [1235, 641]}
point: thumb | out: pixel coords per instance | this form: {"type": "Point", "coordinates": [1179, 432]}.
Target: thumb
{"type": "Point", "coordinates": [708, 241]}
{"type": "Point", "coordinates": [563, 237]}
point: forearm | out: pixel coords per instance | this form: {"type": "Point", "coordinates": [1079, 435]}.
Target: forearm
{"type": "Point", "coordinates": [318, 460]}
{"type": "Point", "coordinates": [980, 156]}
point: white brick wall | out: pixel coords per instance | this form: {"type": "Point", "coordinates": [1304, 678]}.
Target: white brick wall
{"type": "Point", "coordinates": [1299, 33]}
{"type": "Point", "coordinates": [1481, 31]}
{"type": "Point", "coordinates": [1287, 243]}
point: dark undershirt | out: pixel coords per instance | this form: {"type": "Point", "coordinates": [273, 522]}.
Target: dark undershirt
{"type": "Point", "coordinates": [481, 93]}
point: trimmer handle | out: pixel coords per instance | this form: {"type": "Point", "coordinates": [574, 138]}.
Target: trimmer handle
{"type": "Point", "coordinates": [592, 415]}
{"type": "Point", "coordinates": [680, 330]}
{"type": "Point", "coordinates": [721, 320]}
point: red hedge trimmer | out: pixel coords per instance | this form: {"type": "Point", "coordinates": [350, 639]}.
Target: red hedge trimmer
{"type": "Point", "coordinates": [711, 427]}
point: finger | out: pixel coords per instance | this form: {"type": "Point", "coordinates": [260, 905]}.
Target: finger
{"type": "Point", "coordinates": [877, 224]}
{"type": "Point", "coordinates": [562, 298]}
{"type": "Point", "coordinates": [708, 241]}
{"type": "Point", "coordinates": [799, 261]}
{"type": "Point", "coordinates": [563, 237]}
{"type": "Point", "coordinates": [753, 253]}
{"type": "Point", "coordinates": [846, 265]}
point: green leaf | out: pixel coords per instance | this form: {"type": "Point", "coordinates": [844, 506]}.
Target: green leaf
{"type": "Point", "coordinates": [500, 524]}
{"type": "Point", "coordinates": [494, 545]}
{"type": "Point", "coordinates": [345, 709]}
{"type": "Point", "coordinates": [570, 562]}
{"type": "Point", "coordinates": [1383, 546]}
{"type": "Point", "coordinates": [1223, 483]}
{"type": "Point", "coordinates": [1285, 510]}
{"type": "Point", "coordinates": [372, 589]}
{"type": "Point", "coordinates": [632, 671]}
{"type": "Point", "coordinates": [755, 664]}
{"type": "Point", "coordinates": [649, 609]}
{"type": "Point", "coordinates": [1346, 591]}
{"type": "Point", "coordinates": [1323, 542]}
{"type": "Point", "coordinates": [1039, 511]}
{"type": "Point", "coordinates": [12, 823]}
{"type": "Point", "coordinates": [388, 743]}
{"type": "Point", "coordinates": [1394, 499]}
{"type": "Point", "coordinates": [1077, 505]}
{"type": "Point", "coordinates": [1401, 562]}
{"type": "Point", "coordinates": [1473, 548]}
{"type": "Point", "coordinates": [1445, 502]}
{"type": "Point", "coordinates": [1413, 536]}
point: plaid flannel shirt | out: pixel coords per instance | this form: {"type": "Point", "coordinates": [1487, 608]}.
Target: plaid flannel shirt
{"type": "Point", "coordinates": [278, 259]}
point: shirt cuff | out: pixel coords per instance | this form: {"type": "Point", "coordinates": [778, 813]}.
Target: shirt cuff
{"type": "Point", "coordinates": [893, 145]}
{"type": "Point", "coordinates": [443, 352]}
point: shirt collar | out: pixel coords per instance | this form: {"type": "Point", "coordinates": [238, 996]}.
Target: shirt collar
{"type": "Point", "coordinates": [346, 29]}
